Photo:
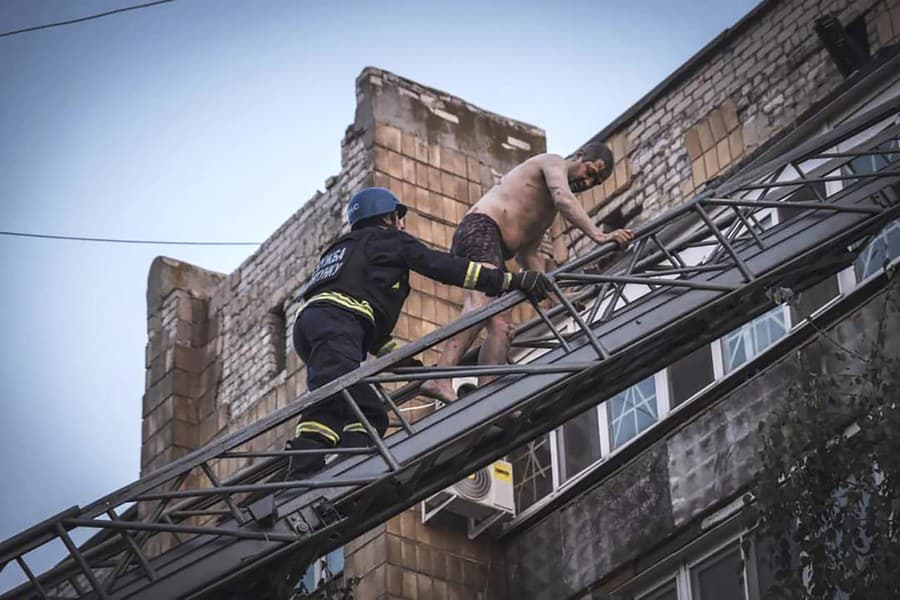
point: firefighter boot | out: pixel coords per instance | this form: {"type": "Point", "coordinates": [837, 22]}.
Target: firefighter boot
{"type": "Point", "coordinates": [301, 466]}
{"type": "Point", "coordinates": [355, 439]}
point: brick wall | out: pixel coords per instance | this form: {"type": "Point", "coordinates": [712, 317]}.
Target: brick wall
{"type": "Point", "coordinates": [405, 558]}
{"type": "Point", "coordinates": [740, 92]}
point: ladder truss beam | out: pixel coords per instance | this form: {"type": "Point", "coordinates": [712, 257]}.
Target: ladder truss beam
{"type": "Point", "coordinates": [653, 307]}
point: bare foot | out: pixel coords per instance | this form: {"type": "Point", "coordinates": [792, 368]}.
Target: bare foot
{"type": "Point", "coordinates": [439, 390]}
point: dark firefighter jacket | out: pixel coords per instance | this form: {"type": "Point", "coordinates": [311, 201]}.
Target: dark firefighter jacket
{"type": "Point", "coordinates": [367, 271]}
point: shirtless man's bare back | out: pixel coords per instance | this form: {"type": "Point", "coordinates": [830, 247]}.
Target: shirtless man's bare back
{"type": "Point", "coordinates": [510, 220]}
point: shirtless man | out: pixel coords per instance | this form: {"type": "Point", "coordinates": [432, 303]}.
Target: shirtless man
{"type": "Point", "coordinates": [510, 221]}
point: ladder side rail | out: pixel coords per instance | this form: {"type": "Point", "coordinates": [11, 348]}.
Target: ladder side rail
{"type": "Point", "coordinates": [812, 126]}
{"type": "Point", "coordinates": [771, 269]}
{"type": "Point", "coordinates": [812, 146]}
{"type": "Point", "coordinates": [632, 263]}
{"type": "Point", "coordinates": [215, 449]}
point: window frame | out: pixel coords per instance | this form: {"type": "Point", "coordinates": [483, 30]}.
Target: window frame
{"type": "Point", "coordinates": [318, 570]}
{"type": "Point", "coordinates": [680, 566]}
{"type": "Point", "coordinates": [661, 393]}
{"type": "Point", "coordinates": [788, 327]}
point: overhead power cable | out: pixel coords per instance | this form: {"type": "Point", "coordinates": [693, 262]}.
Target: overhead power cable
{"type": "Point", "coordinates": [123, 241]}
{"type": "Point", "coordinates": [88, 18]}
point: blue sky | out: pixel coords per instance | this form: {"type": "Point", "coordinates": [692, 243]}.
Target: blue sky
{"type": "Point", "coordinates": [214, 120]}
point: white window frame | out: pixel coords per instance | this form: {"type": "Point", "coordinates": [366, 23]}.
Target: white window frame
{"type": "Point", "coordinates": [660, 381]}
{"type": "Point", "coordinates": [661, 384]}
{"type": "Point", "coordinates": [687, 561]}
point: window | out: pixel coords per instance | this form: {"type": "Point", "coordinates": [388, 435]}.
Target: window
{"type": "Point", "coordinates": [667, 591]}
{"type": "Point", "coordinates": [723, 574]}
{"type": "Point", "coordinates": [533, 472]}
{"type": "Point", "coordinates": [872, 163]}
{"type": "Point", "coordinates": [578, 444]}
{"type": "Point", "coordinates": [813, 192]}
{"type": "Point", "coordinates": [751, 339]}
{"type": "Point", "coordinates": [322, 570]}
{"type": "Point", "coordinates": [632, 411]}
{"type": "Point", "coordinates": [884, 247]}
{"type": "Point", "coordinates": [814, 298]}
{"type": "Point", "coordinates": [720, 576]}
{"type": "Point", "coordinates": [690, 374]}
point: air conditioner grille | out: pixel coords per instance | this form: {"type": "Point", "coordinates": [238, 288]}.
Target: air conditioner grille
{"type": "Point", "coordinates": [476, 486]}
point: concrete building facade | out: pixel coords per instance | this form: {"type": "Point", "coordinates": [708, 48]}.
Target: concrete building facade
{"type": "Point", "coordinates": [662, 525]}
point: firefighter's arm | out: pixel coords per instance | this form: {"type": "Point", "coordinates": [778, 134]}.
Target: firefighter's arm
{"type": "Point", "coordinates": [450, 269]}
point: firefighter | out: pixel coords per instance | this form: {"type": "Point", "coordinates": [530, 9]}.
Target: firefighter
{"type": "Point", "coordinates": [351, 304]}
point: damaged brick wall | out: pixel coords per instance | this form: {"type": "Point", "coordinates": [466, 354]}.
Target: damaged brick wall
{"type": "Point", "coordinates": [751, 83]}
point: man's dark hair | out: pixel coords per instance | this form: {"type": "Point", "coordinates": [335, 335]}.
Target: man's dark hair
{"type": "Point", "coordinates": [599, 151]}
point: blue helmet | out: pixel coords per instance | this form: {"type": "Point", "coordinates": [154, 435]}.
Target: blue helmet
{"type": "Point", "coordinates": [371, 202]}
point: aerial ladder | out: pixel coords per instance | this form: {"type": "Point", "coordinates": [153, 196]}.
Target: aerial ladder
{"type": "Point", "coordinates": [253, 534]}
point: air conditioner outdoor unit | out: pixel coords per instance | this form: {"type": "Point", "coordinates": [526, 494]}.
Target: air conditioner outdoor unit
{"type": "Point", "coordinates": [483, 498]}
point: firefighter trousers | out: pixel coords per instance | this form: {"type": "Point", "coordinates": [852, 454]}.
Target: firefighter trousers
{"type": "Point", "coordinates": [332, 341]}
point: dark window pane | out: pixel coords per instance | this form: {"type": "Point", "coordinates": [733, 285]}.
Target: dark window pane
{"type": "Point", "coordinates": [815, 298]}
{"type": "Point", "coordinates": [689, 374]}
{"type": "Point", "coordinates": [531, 472]}
{"type": "Point", "coordinates": [858, 34]}
{"type": "Point", "coordinates": [579, 443]}
{"type": "Point", "coordinates": [720, 577]}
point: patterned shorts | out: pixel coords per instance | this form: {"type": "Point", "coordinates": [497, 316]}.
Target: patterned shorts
{"type": "Point", "coordinates": [478, 238]}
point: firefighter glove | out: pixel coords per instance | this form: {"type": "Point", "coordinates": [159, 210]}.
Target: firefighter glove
{"type": "Point", "coordinates": [535, 284]}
